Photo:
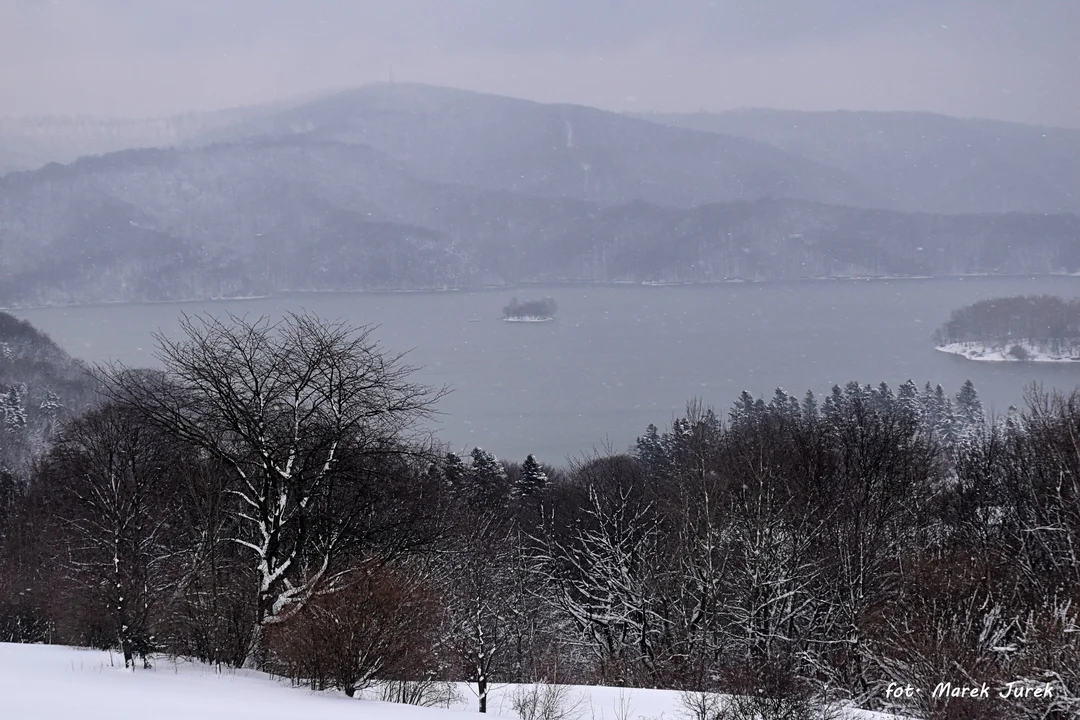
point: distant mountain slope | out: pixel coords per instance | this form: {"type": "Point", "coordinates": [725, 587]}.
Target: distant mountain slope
{"type": "Point", "coordinates": [40, 385]}
{"type": "Point", "coordinates": [490, 142]}
{"type": "Point", "coordinates": [902, 161]}
{"type": "Point", "coordinates": [217, 220]}
{"type": "Point", "coordinates": [28, 143]}
{"type": "Point", "coordinates": [920, 161]}
{"type": "Point", "coordinates": [787, 239]}
{"type": "Point", "coordinates": [301, 213]}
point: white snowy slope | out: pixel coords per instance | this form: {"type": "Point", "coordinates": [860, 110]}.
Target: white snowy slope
{"type": "Point", "coordinates": [43, 682]}
{"type": "Point", "coordinates": [985, 353]}
{"type": "Point", "coordinates": [49, 682]}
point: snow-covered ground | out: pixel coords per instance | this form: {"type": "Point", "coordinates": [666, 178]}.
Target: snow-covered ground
{"type": "Point", "coordinates": [528, 318]}
{"type": "Point", "coordinates": [49, 682]}
{"type": "Point", "coordinates": [43, 682]}
{"type": "Point", "coordinates": [985, 353]}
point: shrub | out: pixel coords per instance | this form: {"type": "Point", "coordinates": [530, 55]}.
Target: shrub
{"type": "Point", "coordinates": [379, 627]}
{"type": "Point", "coordinates": [1019, 352]}
{"type": "Point", "coordinates": [547, 701]}
{"type": "Point", "coordinates": [426, 692]}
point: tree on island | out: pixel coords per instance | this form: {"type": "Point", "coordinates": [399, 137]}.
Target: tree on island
{"type": "Point", "coordinates": [1044, 323]}
{"type": "Point", "coordinates": [541, 308]}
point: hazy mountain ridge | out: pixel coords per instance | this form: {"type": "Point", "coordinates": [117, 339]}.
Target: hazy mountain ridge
{"type": "Point", "coordinates": [490, 142]}
{"type": "Point", "coordinates": [920, 161]}
{"type": "Point", "coordinates": [28, 143]}
{"type": "Point", "coordinates": [299, 213]}
{"type": "Point", "coordinates": [897, 160]}
{"type": "Point", "coordinates": [404, 187]}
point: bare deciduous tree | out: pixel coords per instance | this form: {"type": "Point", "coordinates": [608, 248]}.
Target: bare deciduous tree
{"type": "Point", "coordinates": [283, 405]}
{"type": "Point", "coordinates": [112, 496]}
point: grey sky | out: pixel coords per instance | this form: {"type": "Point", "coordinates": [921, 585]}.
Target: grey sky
{"type": "Point", "coordinates": [1008, 59]}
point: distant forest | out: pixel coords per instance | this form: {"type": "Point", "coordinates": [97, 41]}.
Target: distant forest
{"type": "Point", "coordinates": [797, 551]}
{"type": "Point", "coordinates": [1043, 322]}
{"type": "Point", "coordinates": [405, 187]}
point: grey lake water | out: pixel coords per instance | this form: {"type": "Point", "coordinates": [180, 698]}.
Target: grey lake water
{"type": "Point", "coordinates": [620, 357]}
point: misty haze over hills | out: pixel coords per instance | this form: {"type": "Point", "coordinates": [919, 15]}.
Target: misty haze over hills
{"type": "Point", "coordinates": [402, 187]}
{"type": "Point", "coordinates": [921, 161]}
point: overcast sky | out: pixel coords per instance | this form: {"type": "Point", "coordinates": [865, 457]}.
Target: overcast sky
{"type": "Point", "coordinates": [1007, 59]}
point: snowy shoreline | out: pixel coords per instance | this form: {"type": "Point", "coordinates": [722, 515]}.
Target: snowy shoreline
{"type": "Point", "coordinates": [980, 352]}
{"type": "Point", "coordinates": [544, 283]}
{"type": "Point", "coordinates": [528, 319]}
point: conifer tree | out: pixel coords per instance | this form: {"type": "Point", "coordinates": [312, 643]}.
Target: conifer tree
{"type": "Point", "coordinates": [650, 449]}
{"type": "Point", "coordinates": [487, 476]}
{"type": "Point", "coordinates": [532, 480]}
{"type": "Point", "coordinates": [743, 409]}
{"type": "Point", "coordinates": [882, 397]}
{"type": "Point", "coordinates": [12, 408]}
{"type": "Point", "coordinates": [454, 471]}
{"type": "Point", "coordinates": [944, 426]}
{"type": "Point", "coordinates": [930, 411]}
{"type": "Point", "coordinates": [809, 408]}
{"type": "Point", "coordinates": [969, 409]}
{"type": "Point", "coordinates": [907, 397]}
{"type": "Point", "coordinates": [833, 405]}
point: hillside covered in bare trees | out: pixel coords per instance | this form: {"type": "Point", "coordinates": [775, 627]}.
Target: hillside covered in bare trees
{"type": "Point", "coordinates": [268, 500]}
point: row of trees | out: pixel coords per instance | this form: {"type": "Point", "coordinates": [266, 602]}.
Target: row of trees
{"type": "Point", "coordinates": [267, 499]}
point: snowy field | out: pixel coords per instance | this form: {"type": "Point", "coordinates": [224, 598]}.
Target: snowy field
{"type": "Point", "coordinates": [43, 682]}
{"type": "Point", "coordinates": [984, 353]}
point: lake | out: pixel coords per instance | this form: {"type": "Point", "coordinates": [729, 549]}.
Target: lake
{"type": "Point", "coordinates": [619, 357]}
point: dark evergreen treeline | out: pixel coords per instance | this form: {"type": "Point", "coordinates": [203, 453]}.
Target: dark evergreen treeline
{"type": "Point", "coordinates": [267, 500]}
{"type": "Point", "coordinates": [1043, 322]}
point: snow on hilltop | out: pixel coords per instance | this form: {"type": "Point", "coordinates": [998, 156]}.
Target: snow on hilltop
{"type": "Point", "coordinates": [51, 682]}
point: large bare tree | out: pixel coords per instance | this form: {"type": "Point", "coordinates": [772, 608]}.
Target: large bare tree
{"type": "Point", "coordinates": [300, 410]}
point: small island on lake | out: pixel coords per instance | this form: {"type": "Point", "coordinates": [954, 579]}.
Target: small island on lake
{"type": "Point", "coordinates": [541, 310]}
{"type": "Point", "coordinates": [1032, 328]}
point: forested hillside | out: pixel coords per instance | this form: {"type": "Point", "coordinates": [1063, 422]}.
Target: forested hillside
{"type": "Point", "coordinates": [40, 385]}
{"type": "Point", "coordinates": [489, 142]}
{"type": "Point", "coordinates": [296, 213]}
{"type": "Point", "coordinates": [404, 187]}
{"type": "Point", "coordinates": [28, 143]}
